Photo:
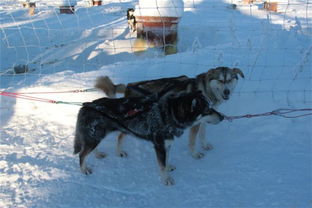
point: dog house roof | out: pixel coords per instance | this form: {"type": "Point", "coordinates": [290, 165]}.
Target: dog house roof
{"type": "Point", "coordinates": [162, 8]}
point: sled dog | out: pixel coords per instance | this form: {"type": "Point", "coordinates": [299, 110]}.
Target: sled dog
{"type": "Point", "coordinates": [216, 84]}
{"type": "Point", "coordinates": [131, 20]}
{"type": "Point", "coordinates": [157, 120]}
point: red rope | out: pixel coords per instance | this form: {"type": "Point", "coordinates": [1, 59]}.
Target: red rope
{"type": "Point", "coordinates": [69, 91]}
{"type": "Point", "coordinates": [279, 112]}
{"type": "Point", "coordinates": [26, 97]}
{"type": "Point", "coordinates": [23, 95]}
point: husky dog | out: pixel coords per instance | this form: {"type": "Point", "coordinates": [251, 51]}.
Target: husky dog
{"type": "Point", "coordinates": [216, 85]}
{"type": "Point", "coordinates": [155, 119]}
{"type": "Point", "coordinates": [131, 20]}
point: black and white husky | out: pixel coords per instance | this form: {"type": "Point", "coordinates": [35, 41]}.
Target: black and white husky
{"type": "Point", "coordinates": [131, 19]}
{"type": "Point", "coordinates": [216, 85]}
{"type": "Point", "coordinates": [157, 120]}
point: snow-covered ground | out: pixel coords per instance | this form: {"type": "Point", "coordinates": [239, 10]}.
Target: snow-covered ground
{"type": "Point", "coordinates": [256, 162]}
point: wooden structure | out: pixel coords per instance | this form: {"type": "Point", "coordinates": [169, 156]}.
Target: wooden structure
{"type": "Point", "coordinates": [270, 6]}
{"type": "Point", "coordinates": [66, 6]}
{"type": "Point", "coordinates": [67, 9]}
{"type": "Point", "coordinates": [248, 1]}
{"type": "Point", "coordinates": [96, 2]}
{"type": "Point", "coordinates": [158, 31]}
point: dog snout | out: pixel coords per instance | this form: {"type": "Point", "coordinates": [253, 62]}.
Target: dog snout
{"type": "Point", "coordinates": [226, 92]}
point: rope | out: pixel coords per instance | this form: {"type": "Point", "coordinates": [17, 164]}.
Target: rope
{"type": "Point", "coordinates": [282, 112]}
{"type": "Point", "coordinates": [26, 97]}
{"type": "Point", "coordinates": [69, 103]}
{"type": "Point", "coordinates": [69, 91]}
{"type": "Point", "coordinates": [23, 95]}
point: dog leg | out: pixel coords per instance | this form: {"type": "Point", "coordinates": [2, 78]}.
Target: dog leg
{"type": "Point", "coordinates": [192, 139]}
{"type": "Point", "coordinates": [119, 150]}
{"type": "Point", "coordinates": [130, 24]}
{"type": "Point", "coordinates": [82, 157]}
{"type": "Point", "coordinates": [202, 137]}
{"type": "Point", "coordinates": [169, 167]}
{"type": "Point", "coordinates": [161, 158]}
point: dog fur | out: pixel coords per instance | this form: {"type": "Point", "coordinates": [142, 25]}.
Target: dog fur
{"type": "Point", "coordinates": [131, 20]}
{"type": "Point", "coordinates": [155, 118]}
{"type": "Point", "coordinates": [216, 85]}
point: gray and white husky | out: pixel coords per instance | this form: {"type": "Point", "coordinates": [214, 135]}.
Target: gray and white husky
{"type": "Point", "coordinates": [216, 84]}
{"type": "Point", "coordinates": [153, 118]}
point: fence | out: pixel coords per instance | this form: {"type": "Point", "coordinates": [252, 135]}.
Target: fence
{"type": "Point", "coordinates": [272, 47]}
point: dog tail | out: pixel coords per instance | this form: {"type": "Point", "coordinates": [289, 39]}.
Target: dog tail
{"type": "Point", "coordinates": [105, 84]}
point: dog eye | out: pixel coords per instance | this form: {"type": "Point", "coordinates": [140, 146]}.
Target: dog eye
{"type": "Point", "coordinates": [221, 81]}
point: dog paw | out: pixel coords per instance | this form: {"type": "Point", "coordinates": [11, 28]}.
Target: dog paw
{"type": "Point", "coordinates": [168, 181]}
{"type": "Point", "coordinates": [170, 168]}
{"type": "Point", "coordinates": [198, 155]}
{"type": "Point", "coordinates": [122, 154]}
{"type": "Point", "coordinates": [86, 171]}
{"type": "Point", "coordinates": [100, 155]}
{"type": "Point", "coordinates": [207, 147]}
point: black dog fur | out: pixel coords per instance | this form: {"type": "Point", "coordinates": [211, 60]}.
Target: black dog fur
{"type": "Point", "coordinates": [157, 120]}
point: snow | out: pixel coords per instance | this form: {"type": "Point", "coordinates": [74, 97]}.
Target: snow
{"type": "Point", "coordinates": [163, 8]}
{"type": "Point", "coordinates": [65, 2]}
{"type": "Point", "coordinates": [257, 162]}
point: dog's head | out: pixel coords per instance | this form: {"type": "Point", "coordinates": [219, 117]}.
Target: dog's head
{"type": "Point", "coordinates": [130, 13]}
{"type": "Point", "coordinates": [222, 81]}
{"type": "Point", "coordinates": [190, 108]}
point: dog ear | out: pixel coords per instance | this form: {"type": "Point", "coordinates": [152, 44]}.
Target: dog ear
{"type": "Point", "coordinates": [238, 71]}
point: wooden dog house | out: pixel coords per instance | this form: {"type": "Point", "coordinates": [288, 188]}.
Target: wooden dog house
{"type": "Point", "coordinates": [96, 2]}
{"type": "Point", "coordinates": [157, 22]}
{"type": "Point", "coordinates": [270, 6]}
{"type": "Point", "coordinates": [67, 6]}
{"type": "Point", "coordinates": [67, 9]}
{"type": "Point", "coordinates": [159, 29]}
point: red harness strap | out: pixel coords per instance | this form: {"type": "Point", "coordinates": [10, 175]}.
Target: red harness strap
{"type": "Point", "coordinates": [132, 112]}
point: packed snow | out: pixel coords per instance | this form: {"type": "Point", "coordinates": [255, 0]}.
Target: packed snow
{"type": "Point", "coordinates": [256, 162]}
